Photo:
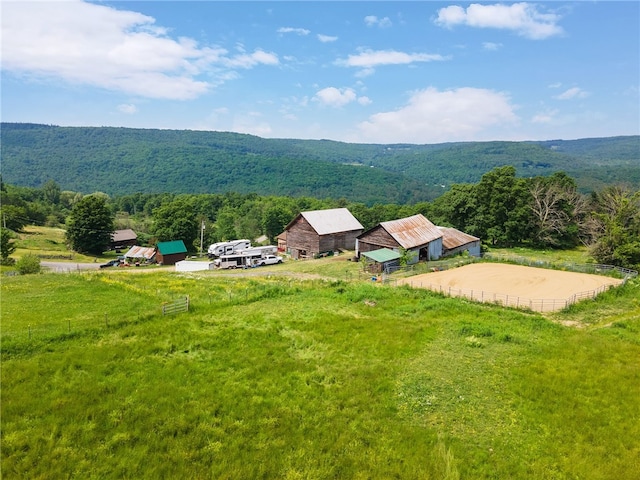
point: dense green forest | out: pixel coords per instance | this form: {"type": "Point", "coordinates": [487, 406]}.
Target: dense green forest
{"type": "Point", "coordinates": [124, 161]}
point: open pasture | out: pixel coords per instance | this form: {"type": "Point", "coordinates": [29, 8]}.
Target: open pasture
{"type": "Point", "coordinates": [273, 377]}
{"type": "Point", "coordinates": [540, 289]}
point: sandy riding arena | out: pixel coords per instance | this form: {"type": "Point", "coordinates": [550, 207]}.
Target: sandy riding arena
{"type": "Point", "coordinates": [539, 289]}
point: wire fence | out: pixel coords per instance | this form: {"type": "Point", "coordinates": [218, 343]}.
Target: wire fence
{"type": "Point", "coordinates": [541, 305]}
{"type": "Point", "coordinates": [107, 321]}
{"type": "Point", "coordinates": [517, 301]}
{"type": "Point", "coordinates": [591, 268]}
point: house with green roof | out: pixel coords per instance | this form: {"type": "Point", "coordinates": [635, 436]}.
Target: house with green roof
{"type": "Point", "coordinates": [168, 253]}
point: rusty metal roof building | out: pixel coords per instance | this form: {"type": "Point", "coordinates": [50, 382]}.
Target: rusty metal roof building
{"type": "Point", "coordinates": [334, 220]}
{"type": "Point", "coordinates": [140, 252]}
{"type": "Point", "coordinates": [412, 232]}
{"type": "Point", "coordinates": [454, 238]}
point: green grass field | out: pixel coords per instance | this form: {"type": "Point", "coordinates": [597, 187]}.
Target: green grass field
{"type": "Point", "coordinates": [277, 377]}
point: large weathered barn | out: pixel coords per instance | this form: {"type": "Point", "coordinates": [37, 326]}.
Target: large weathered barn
{"type": "Point", "coordinates": [320, 231]}
{"type": "Point", "coordinates": [123, 238]}
{"type": "Point", "coordinates": [416, 234]}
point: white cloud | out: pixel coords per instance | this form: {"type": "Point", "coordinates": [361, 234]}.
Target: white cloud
{"type": "Point", "coordinates": [326, 38]}
{"type": "Point", "coordinates": [570, 94]}
{"type": "Point", "coordinates": [338, 97]}
{"type": "Point", "coordinates": [546, 117]}
{"type": "Point", "coordinates": [127, 108]}
{"type": "Point", "coordinates": [523, 18]}
{"type": "Point", "coordinates": [335, 97]}
{"type": "Point", "coordinates": [105, 47]}
{"type": "Point", "coordinates": [297, 31]}
{"type": "Point", "coordinates": [259, 57]}
{"type": "Point", "coordinates": [373, 21]}
{"type": "Point", "coordinates": [433, 116]}
{"type": "Point", "coordinates": [491, 46]}
{"type": "Point", "coordinates": [374, 58]}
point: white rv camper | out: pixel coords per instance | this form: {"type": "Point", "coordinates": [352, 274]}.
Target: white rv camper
{"type": "Point", "coordinates": [227, 248]}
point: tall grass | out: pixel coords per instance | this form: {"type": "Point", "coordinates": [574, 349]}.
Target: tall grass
{"type": "Point", "coordinates": [269, 377]}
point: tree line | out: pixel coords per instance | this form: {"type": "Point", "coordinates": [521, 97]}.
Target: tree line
{"type": "Point", "coordinates": [502, 209]}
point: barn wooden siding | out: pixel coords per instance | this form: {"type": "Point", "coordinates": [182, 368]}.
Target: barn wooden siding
{"type": "Point", "coordinates": [304, 242]}
{"type": "Point", "coordinates": [375, 239]}
{"type": "Point", "coordinates": [302, 239]}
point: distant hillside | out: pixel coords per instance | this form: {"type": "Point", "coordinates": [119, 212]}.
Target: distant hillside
{"type": "Point", "coordinates": [122, 160]}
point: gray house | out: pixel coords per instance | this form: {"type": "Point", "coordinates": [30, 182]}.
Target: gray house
{"type": "Point", "coordinates": [415, 234]}
{"type": "Point", "coordinates": [318, 232]}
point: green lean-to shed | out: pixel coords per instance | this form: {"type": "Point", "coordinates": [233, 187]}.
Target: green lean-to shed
{"type": "Point", "coordinates": [382, 260]}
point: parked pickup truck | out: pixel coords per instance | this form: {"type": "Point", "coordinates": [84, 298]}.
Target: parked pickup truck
{"type": "Point", "coordinates": [269, 260]}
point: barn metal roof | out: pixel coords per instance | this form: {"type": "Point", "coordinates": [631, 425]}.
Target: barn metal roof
{"type": "Point", "coordinates": [334, 220]}
{"type": "Point", "coordinates": [411, 232]}
{"type": "Point", "coordinates": [123, 235]}
{"type": "Point", "coordinates": [453, 238]}
{"type": "Point", "coordinates": [382, 255]}
{"type": "Point", "coordinates": [140, 252]}
{"type": "Point", "coordinates": [171, 247]}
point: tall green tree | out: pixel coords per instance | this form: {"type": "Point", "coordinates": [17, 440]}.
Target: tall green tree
{"type": "Point", "coordinates": [90, 225]}
{"type": "Point", "coordinates": [275, 218]}
{"type": "Point", "coordinates": [618, 227]}
{"type": "Point", "coordinates": [7, 247]}
{"type": "Point", "coordinates": [503, 213]}
{"type": "Point", "coordinates": [177, 220]}
{"type": "Point", "coordinates": [51, 192]}
{"type": "Point", "coordinates": [457, 207]}
{"type": "Point", "coordinates": [225, 226]}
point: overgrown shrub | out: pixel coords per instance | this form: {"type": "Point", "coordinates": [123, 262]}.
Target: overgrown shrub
{"type": "Point", "coordinates": [29, 263]}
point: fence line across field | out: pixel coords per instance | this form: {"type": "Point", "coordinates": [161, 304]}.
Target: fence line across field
{"type": "Point", "coordinates": [69, 327]}
{"type": "Point", "coordinates": [183, 304]}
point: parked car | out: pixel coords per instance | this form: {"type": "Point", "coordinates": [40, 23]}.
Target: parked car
{"type": "Point", "coordinates": [110, 263]}
{"type": "Point", "coordinates": [269, 260]}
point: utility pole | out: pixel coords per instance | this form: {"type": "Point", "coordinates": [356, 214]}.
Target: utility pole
{"type": "Point", "coordinates": [201, 237]}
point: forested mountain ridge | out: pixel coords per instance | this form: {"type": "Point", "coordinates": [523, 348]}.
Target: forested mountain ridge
{"type": "Point", "coordinates": [122, 161]}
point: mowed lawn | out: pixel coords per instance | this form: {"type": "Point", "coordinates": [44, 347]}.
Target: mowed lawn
{"type": "Point", "coordinates": [280, 378]}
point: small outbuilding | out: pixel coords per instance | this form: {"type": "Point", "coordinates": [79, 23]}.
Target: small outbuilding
{"type": "Point", "coordinates": [168, 253]}
{"type": "Point", "coordinates": [123, 238]}
{"type": "Point", "coordinates": [191, 266]}
{"type": "Point", "coordinates": [318, 232]}
{"type": "Point", "coordinates": [454, 241]}
{"type": "Point", "coordinates": [140, 254]}
{"type": "Point", "coordinates": [383, 260]}
{"type": "Point", "coordinates": [415, 234]}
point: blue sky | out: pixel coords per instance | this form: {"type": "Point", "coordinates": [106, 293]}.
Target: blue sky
{"type": "Point", "coordinates": [366, 72]}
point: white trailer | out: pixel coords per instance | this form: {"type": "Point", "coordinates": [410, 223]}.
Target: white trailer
{"type": "Point", "coordinates": [191, 266]}
{"type": "Point", "coordinates": [261, 251]}
{"type": "Point", "coordinates": [236, 260]}
{"type": "Point", "coordinates": [227, 248]}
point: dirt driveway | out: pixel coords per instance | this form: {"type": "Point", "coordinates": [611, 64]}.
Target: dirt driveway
{"type": "Point", "coordinates": [515, 285]}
